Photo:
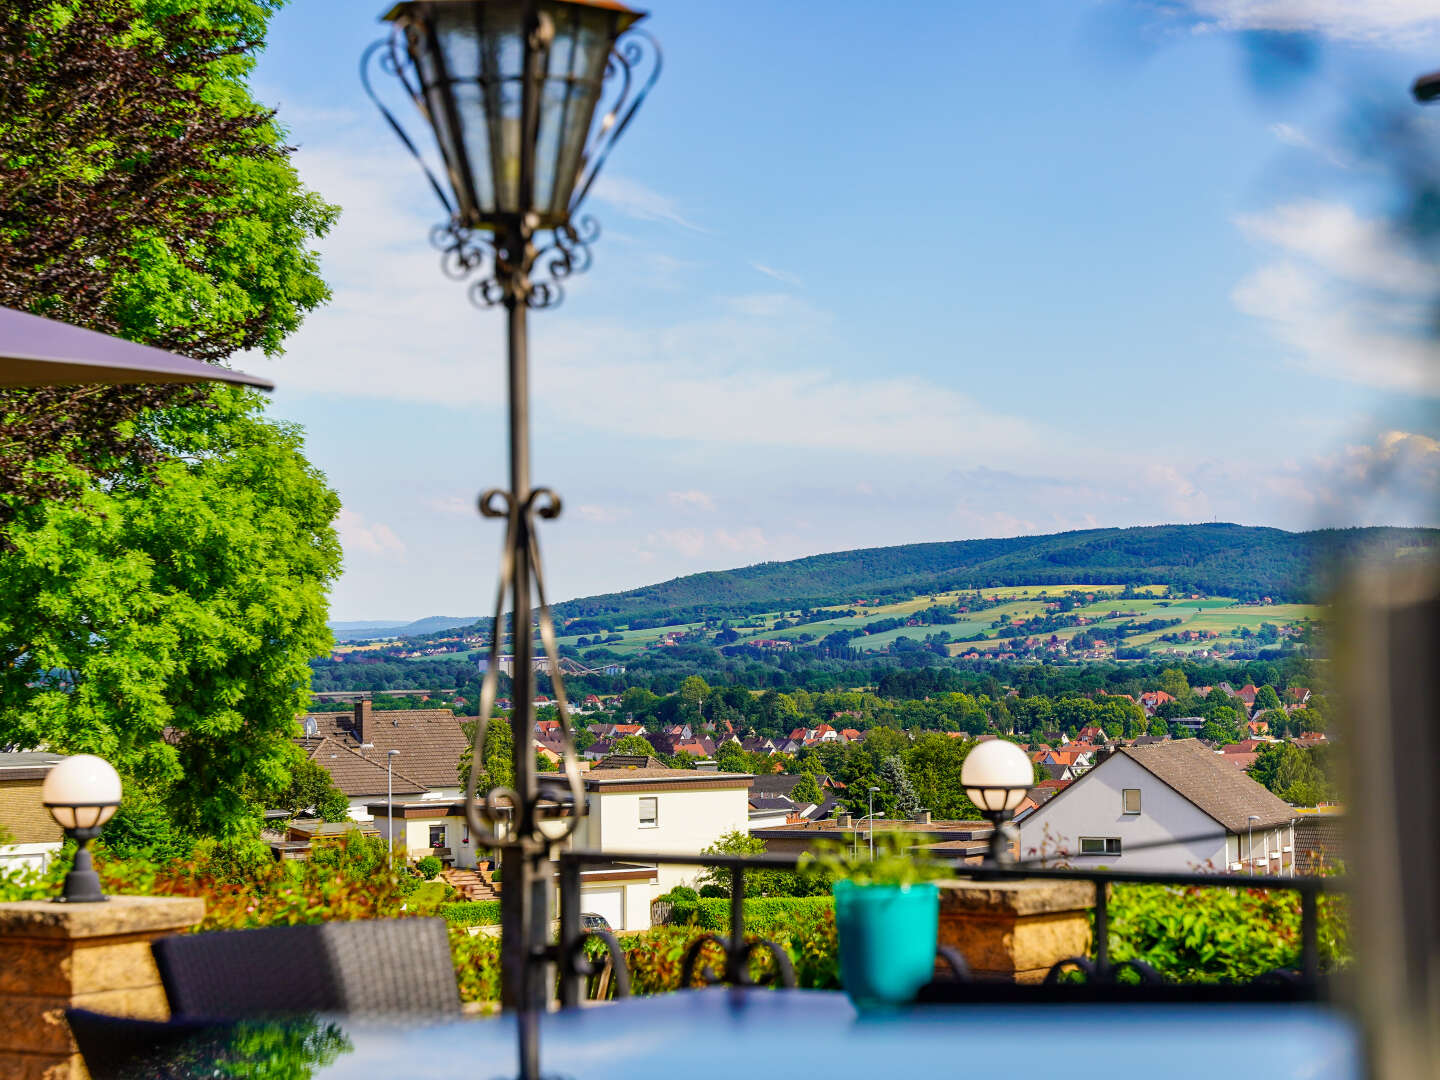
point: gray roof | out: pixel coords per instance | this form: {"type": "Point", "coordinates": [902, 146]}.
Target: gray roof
{"type": "Point", "coordinates": [1212, 784]}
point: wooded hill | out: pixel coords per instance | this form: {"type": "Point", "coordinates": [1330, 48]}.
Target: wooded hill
{"type": "Point", "coordinates": [1242, 561]}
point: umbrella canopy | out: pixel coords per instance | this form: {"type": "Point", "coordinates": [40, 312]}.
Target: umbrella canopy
{"type": "Point", "coordinates": [42, 352]}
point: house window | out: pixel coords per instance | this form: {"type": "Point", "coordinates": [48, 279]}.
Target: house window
{"type": "Point", "coordinates": [437, 836]}
{"type": "Point", "coordinates": [1099, 845]}
{"type": "Point", "coordinates": [1130, 800]}
{"type": "Point", "coordinates": [649, 812]}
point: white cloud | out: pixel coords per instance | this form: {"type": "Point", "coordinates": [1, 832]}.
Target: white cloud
{"type": "Point", "coordinates": [397, 331]}
{"type": "Point", "coordinates": [779, 275]}
{"type": "Point", "coordinates": [741, 540]}
{"type": "Point", "coordinates": [1291, 135]}
{"type": "Point", "coordinates": [1379, 21]}
{"type": "Point", "coordinates": [1345, 298]}
{"type": "Point", "coordinates": [688, 542]}
{"type": "Point", "coordinates": [698, 500]}
{"type": "Point", "coordinates": [640, 202]}
{"type": "Point", "coordinates": [449, 504]}
{"type": "Point", "coordinates": [371, 538]}
{"type": "Point", "coordinates": [1342, 243]}
{"type": "Point", "coordinates": [601, 515]}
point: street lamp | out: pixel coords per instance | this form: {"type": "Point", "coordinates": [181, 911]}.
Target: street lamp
{"type": "Point", "coordinates": [996, 775]}
{"type": "Point", "coordinates": [871, 815]}
{"type": "Point", "coordinates": [390, 808]}
{"type": "Point", "coordinates": [82, 794]}
{"type": "Point", "coordinates": [525, 99]}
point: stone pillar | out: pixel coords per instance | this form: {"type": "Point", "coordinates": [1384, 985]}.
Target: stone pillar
{"type": "Point", "coordinates": [1015, 929]}
{"type": "Point", "coordinates": [94, 956]}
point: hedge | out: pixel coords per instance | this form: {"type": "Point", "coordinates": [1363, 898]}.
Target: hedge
{"type": "Point", "coordinates": [471, 913]}
{"type": "Point", "coordinates": [762, 914]}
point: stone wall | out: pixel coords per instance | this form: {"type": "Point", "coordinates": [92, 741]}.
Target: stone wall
{"type": "Point", "coordinates": [95, 956]}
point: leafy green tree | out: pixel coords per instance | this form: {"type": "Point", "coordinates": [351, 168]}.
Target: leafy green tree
{"type": "Point", "coordinates": [633, 744]}
{"type": "Point", "coordinates": [899, 792]}
{"type": "Point", "coordinates": [731, 758]}
{"type": "Point", "coordinates": [498, 763]}
{"type": "Point", "coordinates": [807, 790]}
{"type": "Point", "coordinates": [1158, 726]}
{"type": "Point", "coordinates": [312, 789]}
{"type": "Point", "coordinates": [166, 619]}
{"type": "Point", "coordinates": [1174, 683]}
{"type": "Point", "coordinates": [144, 193]}
{"type": "Point", "coordinates": [693, 692]}
{"type": "Point", "coordinates": [1266, 698]}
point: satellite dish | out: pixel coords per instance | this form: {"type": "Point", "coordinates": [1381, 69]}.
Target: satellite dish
{"type": "Point", "coordinates": [312, 726]}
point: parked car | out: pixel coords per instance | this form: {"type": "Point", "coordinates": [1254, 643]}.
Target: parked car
{"type": "Point", "coordinates": [590, 921]}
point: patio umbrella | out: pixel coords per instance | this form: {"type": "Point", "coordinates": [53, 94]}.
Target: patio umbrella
{"type": "Point", "coordinates": [42, 352]}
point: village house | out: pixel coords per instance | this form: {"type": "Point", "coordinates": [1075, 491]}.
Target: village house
{"type": "Point", "coordinates": [32, 837]}
{"type": "Point", "coordinates": [354, 749]}
{"type": "Point", "coordinates": [1173, 806]}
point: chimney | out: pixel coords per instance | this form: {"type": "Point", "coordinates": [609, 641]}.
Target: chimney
{"type": "Point", "coordinates": [362, 720]}
{"type": "Point", "coordinates": [842, 821]}
{"type": "Point", "coordinates": [921, 817]}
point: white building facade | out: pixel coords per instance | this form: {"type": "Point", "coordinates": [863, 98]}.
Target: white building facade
{"type": "Point", "coordinates": [1173, 807]}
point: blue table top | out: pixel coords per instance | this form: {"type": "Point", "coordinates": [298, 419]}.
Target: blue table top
{"type": "Point", "coordinates": [797, 1034]}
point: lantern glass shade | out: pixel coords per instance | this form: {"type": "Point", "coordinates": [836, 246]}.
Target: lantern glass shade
{"type": "Point", "coordinates": [469, 56]}
{"type": "Point", "coordinates": [996, 775]}
{"type": "Point", "coordinates": [82, 792]}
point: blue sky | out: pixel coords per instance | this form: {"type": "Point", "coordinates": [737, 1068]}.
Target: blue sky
{"type": "Point", "coordinates": [870, 278]}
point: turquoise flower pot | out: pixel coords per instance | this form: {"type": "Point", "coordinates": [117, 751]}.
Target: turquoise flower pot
{"type": "Point", "coordinates": [887, 940]}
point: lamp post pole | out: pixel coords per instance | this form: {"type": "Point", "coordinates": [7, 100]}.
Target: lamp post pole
{"type": "Point", "coordinates": [390, 807]}
{"type": "Point", "coordinates": [871, 808]}
{"type": "Point", "coordinates": [483, 74]}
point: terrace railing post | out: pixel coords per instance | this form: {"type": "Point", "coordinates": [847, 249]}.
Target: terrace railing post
{"type": "Point", "coordinates": [738, 970]}
{"type": "Point", "coordinates": [1310, 935]}
{"type": "Point", "coordinates": [571, 980]}
{"type": "Point", "coordinates": [1102, 927]}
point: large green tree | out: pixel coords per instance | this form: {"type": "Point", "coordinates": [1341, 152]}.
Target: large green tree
{"type": "Point", "coordinates": [166, 620]}
{"type": "Point", "coordinates": [166, 551]}
{"type": "Point", "coordinates": [143, 193]}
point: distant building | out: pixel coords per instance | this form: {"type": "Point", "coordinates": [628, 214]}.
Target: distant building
{"type": "Point", "coordinates": [1173, 806]}
{"type": "Point", "coordinates": [34, 836]}
{"type": "Point", "coordinates": [354, 749]}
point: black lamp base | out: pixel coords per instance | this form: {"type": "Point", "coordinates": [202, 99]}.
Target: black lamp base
{"type": "Point", "coordinates": [82, 883]}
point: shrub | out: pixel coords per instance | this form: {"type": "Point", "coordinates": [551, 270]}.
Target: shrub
{"type": "Point", "coordinates": [680, 894]}
{"type": "Point", "coordinates": [429, 866]}
{"type": "Point", "coordinates": [1204, 934]}
{"type": "Point", "coordinates": [471, 913]}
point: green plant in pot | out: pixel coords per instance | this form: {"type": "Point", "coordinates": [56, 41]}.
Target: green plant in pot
{"type": "Point", "coordinates": [887, 916]}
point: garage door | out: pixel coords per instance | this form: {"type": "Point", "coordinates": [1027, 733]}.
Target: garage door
{"type": "Point", "coordinates": [608, 903]}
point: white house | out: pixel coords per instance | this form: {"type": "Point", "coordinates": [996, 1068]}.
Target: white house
{"type": "Point", "coordinates": [680, 811]}
{"type": "Point", "coordinates": [1173, 806]}
{"type": "Point", "coordinates": [628, 811]}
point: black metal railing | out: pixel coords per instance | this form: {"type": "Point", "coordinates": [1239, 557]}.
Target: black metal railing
{"type": "Point", "coordinates": [1306, 982]}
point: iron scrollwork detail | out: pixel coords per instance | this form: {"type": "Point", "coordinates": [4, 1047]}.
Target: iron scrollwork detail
{"type": "Point", "coordinates": [736, 968]}
{"type": "Point", "coordinates": [561, 803]}
{"type": "Point", "coordinates": [575, 961]}
{"type": "Point", "coordinates": [507, 276]}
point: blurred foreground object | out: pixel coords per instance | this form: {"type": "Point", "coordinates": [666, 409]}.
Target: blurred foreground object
{"type": "Point", "coordinates": [1388, 637]}
{"type": "Point", "coordinates": [1426, 88]}
{"type": "Point", "coordinates": [35, 351]}
{"type": "Point", "coordinates": [82, 793]}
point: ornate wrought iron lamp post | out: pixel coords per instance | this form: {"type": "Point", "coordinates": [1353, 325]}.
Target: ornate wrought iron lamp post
{"type": "Point", "coordinates": [525, 99]}
{"type": "Point", "coordinates": [996, 775]}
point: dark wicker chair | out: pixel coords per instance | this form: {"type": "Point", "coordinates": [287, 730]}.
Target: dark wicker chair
{"type": "Point", "coordinates": [371, 966]}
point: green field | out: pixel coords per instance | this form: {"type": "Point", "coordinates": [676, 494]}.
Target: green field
{"type": "Point", "coordinates": [1219, 614]}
